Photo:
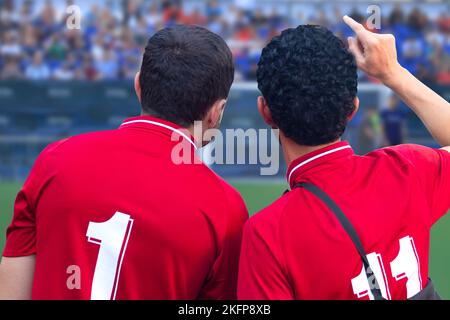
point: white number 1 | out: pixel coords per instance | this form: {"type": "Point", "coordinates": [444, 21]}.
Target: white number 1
{"type": "Point", "coordinates": [112, 237]}
{"type": "Point", "coordinates": [361, 285]}
{"type": "Point", "coordinates": [405, 265]}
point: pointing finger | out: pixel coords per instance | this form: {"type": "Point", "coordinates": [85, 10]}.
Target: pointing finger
{"type": "Point", "coordinates": [355, 49]}
{"type": "Point", "coordinates": [355, 26]}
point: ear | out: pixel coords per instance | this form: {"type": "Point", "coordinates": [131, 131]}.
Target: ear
{"type": "Point", "coordinates": [137, 85]}
{"type": "Point", "coordinates": [356, 104]}
{"type": "Point", "coordinates": [265, 113]}
{"type": "Point", "coordinates": [214, 115]}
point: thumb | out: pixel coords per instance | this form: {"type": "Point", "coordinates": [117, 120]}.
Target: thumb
{"type": "Point", "coordinates": [356, 50]}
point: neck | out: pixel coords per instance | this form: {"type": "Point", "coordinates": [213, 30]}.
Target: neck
{"type": "Point", "coordinates": [292, 150]}
{"type": "Point", "coordinates": [196, 133]}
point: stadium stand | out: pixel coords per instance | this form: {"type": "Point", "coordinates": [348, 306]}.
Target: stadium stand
{"type": "Point", "coordinates": [56, 82]}
{"type": "Point", "coordinates": [37, 45]}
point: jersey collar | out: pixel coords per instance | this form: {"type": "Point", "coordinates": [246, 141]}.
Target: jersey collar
{"type": "Point", "coordinates": [160, 125]}
{"type": "Point", "coordinates": [312, 159]}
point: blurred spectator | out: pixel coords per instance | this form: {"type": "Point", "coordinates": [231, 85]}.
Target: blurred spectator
{"type": "Point", "coordinates": [11, 46]}
{"type": "Point", "coordinates": [443, 76]}
{"type": "Point", "coordinates": [412, 51]}
{"type": "Point", "coordinates": [89, 73]}
{"type": "Point", "coordinates": [393, 119]}
{"type": "Point", "coordinates": [8, 15]}
{"type": "Point", "coordinates": [417, 20]}
{"type": "Point", "coordinates": [443, 22]}
{"type": "Point", "coordinates": [66, 71]}
{"type": "Point", "coordinates": [28, 26]}
{"type": "Point", "coordinates": [153, 18]}
{"type": "Point", "coordinates": [197, 18]}
{"type": "Point", "coordinates": [37, 70]}
{"type": "Point", "coordinates": [213, 9]}
{"type": "Point", "coordinates": [107, 66]}
{"type": "Point", "coordinates": [370, 131]}
{"type": "Point", "coordinates": [11, 70]}
{"type": "Point", "coordinates": [396, 17]}
{"type": "Point", "coordinates": [424, 72]}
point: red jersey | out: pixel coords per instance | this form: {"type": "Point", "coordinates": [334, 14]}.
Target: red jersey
{"type": "Point", "coordinates": [109, 215]}
{"type": "Point", "coordinates": [297, 249]}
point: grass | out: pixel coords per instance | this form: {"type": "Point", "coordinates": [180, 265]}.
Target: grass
{"type": "Point", "coordinates": [259, 195]}
{"type": "Point", "coordinates": [8, 192]}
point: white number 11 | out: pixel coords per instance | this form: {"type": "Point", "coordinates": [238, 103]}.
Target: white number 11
{"type": "Point", "coordinates": [112, 237]}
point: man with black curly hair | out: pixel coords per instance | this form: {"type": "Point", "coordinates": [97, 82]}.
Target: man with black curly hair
{"type": "Point", "coordinates": [352, 227]}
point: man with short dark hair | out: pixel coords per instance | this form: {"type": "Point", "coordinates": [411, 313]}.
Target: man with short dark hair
{"type": "Point", "coordinates": [304, 245]}
{"type": "Point", "coordinates": [112, 215]}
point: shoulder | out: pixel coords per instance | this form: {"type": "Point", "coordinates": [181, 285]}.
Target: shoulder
{"type": "Point", "coordinates": [206, 192]}
{"type": "Point", "coordinates": [226, 195]}
{"type": "Point", "coordinates": [266, 229]}
{"type": "Point", "coordinates": [60, 146]}
{"type": "Point", "coordinates": [408, 154]}
{"type": "Point", "coordinates": [268, 219]}
{"type": "Point", "coordinates": [49, 153]}
{"type": "Point", "coordinates": [52, 148]}
{"type": "Point", "coordinates": [59, 154]}
{"type": "Point", "coordinates": [233, 197]}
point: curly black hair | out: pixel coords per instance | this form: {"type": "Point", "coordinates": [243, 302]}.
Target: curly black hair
{"type": "Point", "coordinates": [309, 80]}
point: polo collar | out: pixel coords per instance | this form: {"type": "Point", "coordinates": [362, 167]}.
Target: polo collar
{"type": "Point", "coordinates": [312, 159]}
{"type": "Point", "coordinates": [157, 124]}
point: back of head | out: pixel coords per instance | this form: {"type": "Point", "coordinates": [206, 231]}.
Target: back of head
{"type": "Point", "coordinates": [185, 69]}
{"type": "Point", "coordinates": [309, 80]}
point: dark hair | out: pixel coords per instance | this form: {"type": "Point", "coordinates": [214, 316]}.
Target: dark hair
{"type": "Point", "coordinates": [309, 80]}
{"type": "Point", "coordinates": [185, 70]}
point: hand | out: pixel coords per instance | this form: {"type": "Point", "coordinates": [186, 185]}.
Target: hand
{"type": "Point", "coordinates": [375, 53]}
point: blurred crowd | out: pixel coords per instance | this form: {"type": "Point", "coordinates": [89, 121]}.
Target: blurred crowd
{"type": "Point", "coordinates": [375, 129]}
{"type": "Point", "coordinates": [36, 44]}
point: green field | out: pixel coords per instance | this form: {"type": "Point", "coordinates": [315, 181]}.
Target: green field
{"type": "Point", "coordinates": [8, 193]}
{"type": "Point", "coordinates": [257, 196]}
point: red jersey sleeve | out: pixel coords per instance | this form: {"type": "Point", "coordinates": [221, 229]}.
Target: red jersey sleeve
{"type": "Point", "coordinates": [261, 277]}
{"type": "Point", "coordinates": [432, 167]}
{"type": "Point", "coordinates": [21, 233]}
{"type": "Point", "coordinates": [222, 280]}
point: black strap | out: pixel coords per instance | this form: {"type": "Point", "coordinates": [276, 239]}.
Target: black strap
{"type": "Point", "coordinates": [346, 224]}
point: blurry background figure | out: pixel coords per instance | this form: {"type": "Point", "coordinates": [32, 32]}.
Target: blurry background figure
{"type": "Point", "coordinates": [11, 70]}
{"type": "Point", "coordinates": [443, 75]}
{"type": "Point", "coordinates": [393, 119]}
{"type": "Point", "coordinates": [370, 134]}
{"type": "Point", "coordinates": [107, 66]}
{"type": "Point", "coordinates": [37, 70]}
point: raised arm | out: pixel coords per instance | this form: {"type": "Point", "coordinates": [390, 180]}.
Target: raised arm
{"type": "Point", "coordinates": [377, 56]}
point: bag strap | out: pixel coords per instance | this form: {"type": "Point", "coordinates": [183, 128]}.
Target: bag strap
{"type": "Point", "coordinates": [346, 224]}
